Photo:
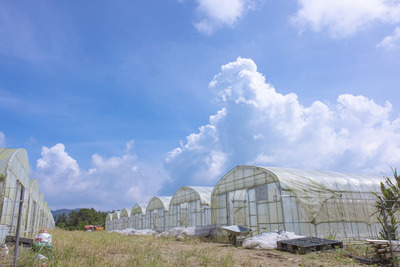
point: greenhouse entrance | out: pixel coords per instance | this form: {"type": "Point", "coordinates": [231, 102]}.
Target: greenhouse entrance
{"type": "Point", "coordinates": [183, 214]}
{"type": "Point", "coordinates": [258, 208]}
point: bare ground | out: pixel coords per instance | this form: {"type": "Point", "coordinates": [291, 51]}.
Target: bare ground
{"type": "Point", "coordinates": [248, 257]}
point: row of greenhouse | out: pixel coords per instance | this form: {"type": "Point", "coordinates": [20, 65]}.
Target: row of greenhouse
{"type": "Point", "coordinates": [266, 199]}
{"type": "Point", "coordinates": [15, 185]}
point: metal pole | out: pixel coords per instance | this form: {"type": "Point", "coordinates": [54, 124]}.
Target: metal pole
{"type": "Point", "coordinates": [389, 232]}
{"type": "Point", "coordinates": [21, 206]}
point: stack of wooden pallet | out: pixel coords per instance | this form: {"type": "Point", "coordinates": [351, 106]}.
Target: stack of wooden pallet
{"type": "Point", "coordinates": [383, 250]}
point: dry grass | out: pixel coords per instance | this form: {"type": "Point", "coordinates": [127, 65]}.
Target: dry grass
{"type": "Point", "coordinates": [78, 248]}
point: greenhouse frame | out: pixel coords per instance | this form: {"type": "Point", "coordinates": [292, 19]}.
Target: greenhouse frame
{"type": "Point", "coordinates": [138, 216]}
{"type": "Point", "coordinates": [157, 213]}
{"type": "Point", "coordinates": [14, 179]}
{"type": "Point", "coordinates": [116, 220]}
{"type": "Point", "coordinates": [109, 222]}
{"type": "Point", "coordinates": [310, 203]}
{"type": "Point", "coordinates": [190, 206]}
{"type": "Point", "coordinates": [125, 219]}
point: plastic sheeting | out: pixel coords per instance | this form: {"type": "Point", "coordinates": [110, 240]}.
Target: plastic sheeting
{"type": "Point", "coordinates": [14, 176]}
{"type": "Point", "coordinates": [125, 219]}
{"type": "Point", "coordinates": [157, 213]}
{"type": "Point", "coordinates": [204, 231]}
{"type": "Point", "coordinates": [190, 206]}
{"type": "Point", "coordinates": [314, 203]}
{"type": "Point", "coordinates": [268, 240]}
{"type": "Point", "coordinates": [132, 231]}
{"type": "Point", "coordinates": [138, 215]}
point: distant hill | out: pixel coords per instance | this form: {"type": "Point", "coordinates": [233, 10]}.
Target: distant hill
{"type": "Point", "coordinates": [61, 211]}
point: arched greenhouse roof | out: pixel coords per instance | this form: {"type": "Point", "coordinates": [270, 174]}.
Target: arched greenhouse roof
{"type": "Point", "coordinates": [139, 208]}
{"type": "Point", "coordinates": [159, 202]}
{"type": "Point", "coordinates": [296, 180]}
{"type": "Point", "coordinates": [34, 190]}
{"type": "Point", "coordinates": [16, 161]}
{"type": "Point", "coordinates": [311, 188]}
{"type": "Point", "coordinates": [109, 217]}
{"type": "Point", "coordinates": [192, 193]}
{"type": "Point", "coordinates": [116, 215]}
{"type": "Point", "coordinates": [33, 186]}
{"type": "Point", "coordinates": [125, 213]}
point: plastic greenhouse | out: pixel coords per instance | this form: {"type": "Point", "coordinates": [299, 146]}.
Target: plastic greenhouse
{"type": "Point", "coordinates": [305, 202]}
{"type": "Point", "coordinates": [190, 206]}
{"type": "Point", "coordinates": [14, 179]}
{"type": "Point", "coordinates": [31, 213]}
{"type": "Point", "coordinates": [109, 222]}
{"type": "Point", "coordinates": [157, 213]}
{"type": "Point", "coordinates": [125, 219]}
{"type": "Point", "coordinates": [138, 215]}
{"type": "Point", "coordinates": [115, 220]}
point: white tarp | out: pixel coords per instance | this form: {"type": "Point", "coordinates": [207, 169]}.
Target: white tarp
{"type": "Point", "coordinates": [204, 231]}
{"type": "Point", "coordinates": [132, 231]}
{"type": "Point", "coordinates": [268, 240]}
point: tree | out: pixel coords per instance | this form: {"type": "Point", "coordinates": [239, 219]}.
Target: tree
{"type": "Point", "coordinates": [388, 206]}
{"type": "Point", "coordinates": [78, 219]}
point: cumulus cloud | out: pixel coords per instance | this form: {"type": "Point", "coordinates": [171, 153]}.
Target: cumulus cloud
{"type": "Point", "coordinates": [214, 14]}
{"type": "Point", "coordinates": [258, 125]}
{"type": "Point", "coordinates": [110, 182]}
{"type": "Point", "coordinates": [391, 42]}
{"type": "Point", "coordinates": [2, 139]}
{"type": "Point", "coordinates": [345, 17]}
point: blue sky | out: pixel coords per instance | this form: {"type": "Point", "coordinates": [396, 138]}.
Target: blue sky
{"type": "Point", "coordinates": [118, 102]}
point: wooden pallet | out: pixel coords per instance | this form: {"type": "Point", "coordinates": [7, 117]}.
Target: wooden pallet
{"type": "Point", "coordinates": [383, 250]}
{"type": "Point", "coordinates": [26, 242]}
{"type": "Point", "coordinates": [308, 244]}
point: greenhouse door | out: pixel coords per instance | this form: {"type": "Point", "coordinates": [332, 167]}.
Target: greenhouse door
{"type": "Point", "coordinates": [155, 220]}
{"type": "Point", "coordinates": [236, 207]}
{"type": "Point", "coordinates": [184, 214]}
{"type": "Point", "coordinates": [265, 208]}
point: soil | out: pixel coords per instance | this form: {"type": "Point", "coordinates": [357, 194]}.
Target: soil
{"type": "Point", "coordinates": [252, 257]}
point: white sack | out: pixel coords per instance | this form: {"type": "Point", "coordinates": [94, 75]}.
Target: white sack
{"type": "Point", "coordinates": [268, 240]}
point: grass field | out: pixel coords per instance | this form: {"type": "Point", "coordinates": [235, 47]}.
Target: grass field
{"type": "Point", "coordinates": [76, 248]}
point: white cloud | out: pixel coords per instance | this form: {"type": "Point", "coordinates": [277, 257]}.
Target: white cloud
{"type": "Point", "coordinates": [215, 14]}
{"type": "Point", "coordinates": [391, 42]}
{"type": "Point", "coordinates": [257, 125]}
{"type": "Point", "coordinates": [110, 183]}
{"type": "Point", "coordinates": [2, 139]}
{"type": "Point", "coordinates": [345, 17]}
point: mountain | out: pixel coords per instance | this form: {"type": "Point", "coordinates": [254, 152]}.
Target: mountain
{"type": "Point", "coordinates": [61, 211]}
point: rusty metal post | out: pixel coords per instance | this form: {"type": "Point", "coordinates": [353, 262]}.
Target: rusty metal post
{"type": "Point", "coordinates": [21, 206]}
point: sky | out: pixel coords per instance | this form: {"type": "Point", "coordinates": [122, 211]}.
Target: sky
{"type": "Point", "coordinates": [117, 102]}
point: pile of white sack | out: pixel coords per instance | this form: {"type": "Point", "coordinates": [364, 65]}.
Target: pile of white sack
{"type": "Point", "coordinates": [268, 240]}
{"type": "Point", "coordinates": [131, 231]}
{"type": "Point", "coordinates": [203, 231]}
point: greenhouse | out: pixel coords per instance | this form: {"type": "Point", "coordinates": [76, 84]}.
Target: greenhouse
{"type": "Point", "coordinates": [14, 175]}
{"type": "Point", "coordinates": [109, 222]}
{"type": "Point", "coordinates": [138, 215]}
{"type": "Point", "coordinates": [115, 220]}
{"type": "Point", "coordinates": [190, 206]}
{"type": "Point", "coordinates": [310, 203]}
{"type": "Point", "coordinates": [125, 219]}
{"type": "Point", "coordinates": [14, 179]}
{"type": "Point", "coordinates": [157, 213]}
